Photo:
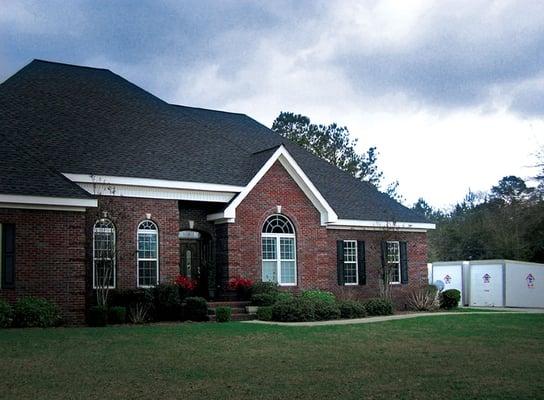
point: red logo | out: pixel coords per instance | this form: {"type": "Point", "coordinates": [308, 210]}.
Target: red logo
{"type": "Point", "coordinates": [486, 278]}
{"type": "Point", "coordinates": [447, 279]}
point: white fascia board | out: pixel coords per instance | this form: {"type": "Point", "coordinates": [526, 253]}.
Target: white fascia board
{"type": "Point", "coordinates": [379, 225]}
{"type": "Point", "coordinates": [44, 201]}
{"type": "Point", "coordinates": [157, 183]}
{"type": "Point", "coordinates": [302, 180]}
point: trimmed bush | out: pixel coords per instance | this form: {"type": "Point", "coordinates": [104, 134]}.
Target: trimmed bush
{"type": "Point", "coordinates": [351, 309]}
{"type": "Point", "coordinates": [195, 309]}
{"type": "Point", "coordinates": [293, 310]}
{"type": "Point", "coordinates": [264, 313]}
{"type": "Point", "coordinates": [319, 295]}
{"type": "Point", "coordinates": [6, 314]}
{"type": "Point", "coordinates": [324, 309]}
{"type": "Point", "coordinates": [378, 307]}
{"type": "Point", "coordinates": [117, 315]}
{"type": "Point", "coordinates": [282, 296]}
{"type": "Point", "coordinates": [35, 312]}
{"type": "Point", "coordinates": [450, 299]}
{"type": "Point", "coordinates": [166, 302]}
{"type": "Point", "coordinates": [97, 316]}
{"type": "Point", "coordinates": [304, 309]}
{"type": "Point", "coordinates": [265, 288]}
{"type": "Point", "coordinates": [263, 299]}
{"type": "Point", "coordinates": [223, 314]}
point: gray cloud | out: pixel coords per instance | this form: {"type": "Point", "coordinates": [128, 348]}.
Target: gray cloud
{"type": "Point", "coordinates": [448, 55]}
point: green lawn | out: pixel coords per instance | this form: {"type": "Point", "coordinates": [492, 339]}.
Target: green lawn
{"type": "Point", "coordinates": [489, 356]}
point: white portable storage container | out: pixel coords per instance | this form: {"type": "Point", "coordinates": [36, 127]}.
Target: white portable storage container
{"type": "Point", "coordinates": [492, 283]}
{"type": "Point", "coordinates": [524, 284]}
{"type": "Point", "coordinates": [486, 283]}
{"type": "Point", "coordinates": [450, 274]}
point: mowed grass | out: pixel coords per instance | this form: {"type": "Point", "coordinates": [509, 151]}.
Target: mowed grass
{"type": "Point", "coordinates": [491, 356]}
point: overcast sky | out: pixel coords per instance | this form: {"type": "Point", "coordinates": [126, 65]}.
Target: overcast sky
{"type": "Point", "coordinates": [451, 93]}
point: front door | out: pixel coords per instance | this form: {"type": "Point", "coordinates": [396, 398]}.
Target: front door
{"type": "Point", "coordinates": [193, 265]}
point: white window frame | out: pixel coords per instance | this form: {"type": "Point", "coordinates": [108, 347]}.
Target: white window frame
{"type": "Point", "coordinates": [114, 261]}
{"type": "Point", "coordinates": [278, 237]}
{"type": "Point", "coordinates": [356, 262]}
{"type": "Point", "coordinates": [389, 264]}
{"type": "Point", "coordinates": [138, 259]}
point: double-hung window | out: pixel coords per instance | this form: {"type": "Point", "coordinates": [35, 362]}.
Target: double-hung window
{"type": "Point", "coordinates": [279, 251]}
{"type": "Point", "coordinates": [393, 261]}
{"type": "Point", "coordinates": [148, 254]}
{"type": "Point", "coordinates": [351, 276]}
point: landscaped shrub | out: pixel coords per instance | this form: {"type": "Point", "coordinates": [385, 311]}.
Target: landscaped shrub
{"type": "Point", "coordinates": [97, 316]}
{"type": "Point", "coordinates": [117, 315]}
{"type": "Point", "coordinates": [6, 314]}
{"type": "Point", "coordinates": [186, 286]}
{"type": "Point", "coordinates": [242, 286]}
{"type": "Point", "coordinates": [293, 310]}
{"type": "Point", "coordinates": [138, 302]}
{"type": "Point", "coordinates": [263, 299]}
{"type": "Point", "coordinates": [264, 313]}
{"type": "Point", "coordinates": [304, 309]}
{"type": "Point", "coordinates": [195, 309]}
{"type": "Point", "coordinates": [424, 299]}
{"type": "Point", "coordinates": [167, 302]}
{"type": "Point", "coordinates": [351, 309]}
{"type": "Point", "coordinates": [450, 299]}
{"type": "Point", "coordinates": [265, 288]}
{"type": "Point", "coordinates": [319, 295]}
{"type": "Point", "coordinates": [223, 314]}
{"type": "Point", "coordinates": [282, 296]}
{"type": "Point", "coordinates": [324, 309]}
{"type": "Point", "coordinates": [379, 307]}
{"type": "Point", "coordinates": [33, 311]}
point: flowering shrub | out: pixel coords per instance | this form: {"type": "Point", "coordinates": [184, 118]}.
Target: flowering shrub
{"type": "Point", "coordinates": [240, 283]}
{"type": "Point", "coordinates": [242, 286]}
{"type": "Point", "coordinates": [185, 283]}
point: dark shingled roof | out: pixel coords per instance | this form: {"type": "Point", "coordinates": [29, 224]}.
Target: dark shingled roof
{"type": "Point", "coordinates": [85, 120]}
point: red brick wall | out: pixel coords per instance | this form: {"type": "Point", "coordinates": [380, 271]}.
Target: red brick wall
{"type": "Point", "coordinates": [49, 258]}
{"type": "Point", "coordinates": [127, 213]}
{"type": "Point", "coordinates": [316, 245]}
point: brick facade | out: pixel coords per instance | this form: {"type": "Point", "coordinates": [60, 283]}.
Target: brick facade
{"type": "Point", "coordinates": [316, 245]}
{"type": "Point", "coordinates": [50, 258]}
{"type": "Point", "coordinates": [54, 248]}
{"type": "Point", "coordinates": [126, 213]}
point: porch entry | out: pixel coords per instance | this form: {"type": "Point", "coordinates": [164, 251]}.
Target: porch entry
{"type": "Point", "coordinates": [196, 259]}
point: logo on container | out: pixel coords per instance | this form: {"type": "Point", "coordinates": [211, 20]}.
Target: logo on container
{"type": "Point", "coordinates": [447, 279]}
{"type": "Point", "coordinates": [486, 278]}
{"type": "Point", "coordinates": [530, 281]}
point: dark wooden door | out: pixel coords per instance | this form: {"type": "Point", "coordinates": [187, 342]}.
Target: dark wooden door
{"type": "Point", "coordinates": [193, 264]}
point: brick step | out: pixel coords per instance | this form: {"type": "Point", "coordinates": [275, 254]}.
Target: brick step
{"type": "Point", "coordinates": [237, 317]}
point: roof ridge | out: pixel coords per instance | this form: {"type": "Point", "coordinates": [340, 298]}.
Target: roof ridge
{"type": "Point", "coordinates": [70, 65]}
{"type": "Point", "coordinates": [207, 109]}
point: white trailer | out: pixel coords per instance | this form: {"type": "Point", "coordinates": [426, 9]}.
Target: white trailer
{"type": "Point", "coordinates": [492, 283]}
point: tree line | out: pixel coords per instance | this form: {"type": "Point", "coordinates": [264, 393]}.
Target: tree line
{"type": "Point", "coordinates": [505, 222]}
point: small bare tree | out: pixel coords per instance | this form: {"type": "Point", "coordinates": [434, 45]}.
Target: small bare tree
{"type": "Point", "coordinates": [106, 254]}
{"type": "Point", "coordinates": [385, 267]}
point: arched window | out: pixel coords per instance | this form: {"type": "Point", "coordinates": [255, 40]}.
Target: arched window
{"type": "Point", "coordinates": [148, 254]}
{"type": "Point", "coordinates": [104, 254]}
{"type": "Point", "coordinates": [279, 251]}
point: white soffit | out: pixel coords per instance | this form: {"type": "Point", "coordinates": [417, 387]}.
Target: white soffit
{"type": "Point", "coordinates": [154, 188]}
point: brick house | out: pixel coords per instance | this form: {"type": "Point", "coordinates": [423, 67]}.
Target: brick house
{"type": "Point", "coordinates": [91, 161]}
